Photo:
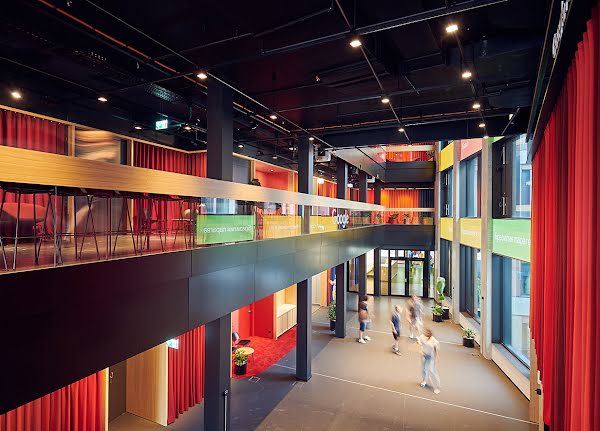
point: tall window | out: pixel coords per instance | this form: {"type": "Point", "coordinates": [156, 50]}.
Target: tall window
{"type": "Point", "coordinates": [512, 284]}
{"type": "Point", "coordinates": [511, 184]}
{"type": "Point", "coordinates": [446, 193]}
{"type": "Point", "coordinates": [446, 265]}
{"type": "Point", "coordinates": [470, 187]}
{"type": "Point", "coordinates": [470, 281]}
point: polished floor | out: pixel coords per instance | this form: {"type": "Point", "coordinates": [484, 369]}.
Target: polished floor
{"type": "Point", "coordinates": [367, 387]}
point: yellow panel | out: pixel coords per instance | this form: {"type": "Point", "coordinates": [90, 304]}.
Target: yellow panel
{"type": "Point", "coordinates": [446, 157]}
{"type": "Point", "coordinates": [470, 232]}
{"type": "Point", "coordinates": [281, 226]}
{"type": "Point", "coordinates": [446, 228]}
{"type": "Point", "coordinates": [320, 224]}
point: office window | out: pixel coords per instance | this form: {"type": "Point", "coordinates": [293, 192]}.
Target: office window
{"type": "Point", "coordinates": [446, 193]}
{"type": "Point", "coordinates": [512, 284]}
{"type": "Point", "coordinates": [511, 180]}
{"type": "Point", "coordinates": [446, 266]}
{"type": "Point", "coordinates": [470, 187]}
{"type": "Point", "coordinates": [470, 281]}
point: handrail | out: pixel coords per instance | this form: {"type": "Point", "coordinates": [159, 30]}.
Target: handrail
{"type": "Point", "coordinates": [417, 210]}
{"type": "Point", "coordinates": [37, 168]}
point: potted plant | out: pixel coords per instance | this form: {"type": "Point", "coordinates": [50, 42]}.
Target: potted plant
{"type": "Point", "coordinates": [240, 359]}
{"type": "Point", "coordinates": [437, 312]}
{"type": "Point", "coordinates": [393, 219]}
{"type": "Point", "coordinates": [331, 314]}
{"type": "Point", "coordinates": [468, 337]}
{"type": "Point", "coordinates": [406, 218]}
{"type": "Point", "coordinates": [440, 285]}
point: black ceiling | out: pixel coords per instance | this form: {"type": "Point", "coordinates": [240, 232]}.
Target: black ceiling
{"type": "Point", "coordinates": [292, 57]}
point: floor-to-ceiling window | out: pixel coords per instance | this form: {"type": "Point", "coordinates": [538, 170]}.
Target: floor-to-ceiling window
{"type": "Point", "coordinates": [470, 281]}
{"type": "Point", "coordinates": [446, 266]}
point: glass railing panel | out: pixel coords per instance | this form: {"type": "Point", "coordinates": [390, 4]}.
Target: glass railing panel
{"type": "Point", "coordinates": [412, 216]}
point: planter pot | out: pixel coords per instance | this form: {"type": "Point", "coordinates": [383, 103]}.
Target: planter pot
{"type": "Point", "coordinates": [468, 342]}
{"type": "Point", "coordinates": [437, 318]}
{"type": "Point", "coordinates": [240, 370]}
{"type": "Point", "coordinates": [446, 313]}
{"type": "Point", "coordinates": [332, 325]}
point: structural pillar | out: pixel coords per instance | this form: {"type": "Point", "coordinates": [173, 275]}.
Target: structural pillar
{"type": "Point", "coordinates": [305, 167]}
{"type": "Point", "coordinates": [341, 285]}
{"type": "Point", "coordinates": [486, 250]}
{"type": "Point", "coordinates": [217, 370]}
{"type": "Point", "coordinates": [362, 259]}
{"type": "Point", "coordinates": [303, 330]}
{"type": "Point", "coordinates": [377, 251]}
{"type": "Point", "coordinates": [456, 299]}
{"type": "Point", "coordinates": [342, 179]}
{"type": "Point", "coordinates": [219, 154]}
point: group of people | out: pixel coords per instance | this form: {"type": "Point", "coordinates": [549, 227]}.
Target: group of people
{"type": "Point", "coordinates": [429, 345]}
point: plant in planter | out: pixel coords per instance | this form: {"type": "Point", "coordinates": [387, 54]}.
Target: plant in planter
{"type": "Point", "coordinates": [406, 218]}
{"type": "Point", "coordinates": [240, 359]}
{"type": "Point", "coordinates": [440, 285]}
{"type": "Point", "coordinates": [437, 312]}
{"type": "Point", "coordinates": [393, 219]}
{"type": "Point", "coordinates": [468, 337]}
{"type": "Point", "coordinates": [331, 314]}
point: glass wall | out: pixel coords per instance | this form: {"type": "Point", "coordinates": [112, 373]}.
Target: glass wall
{"type": "Point", "coordinates": [470, 281]}
{"type": "Point", "coordinates": [521, 180]}
{"type": "Point", "coordinates": [511, 179]}
{"type": "Point", "coordinates": [512, 285]}
{"type": "Point", "coordinates": [446, 266]}
{"type": "Point", "coordinates": [470, 181]}
{"type": "Point", "coordinates": [446, 193]}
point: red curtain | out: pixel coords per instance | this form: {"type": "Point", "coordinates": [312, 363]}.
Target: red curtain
{"type": "Point", "coordinates": [186, 373]}
{"type": "Point", "coordinates": [31, 133]}
{"type": "Point", "coordinates": [407, 156]}
{"type": "Point", "coordinates": [327, 189]}
{"type": "Point", "coordinates": [166, 159]}
{"type": "Point", "coordinates": [77, 407]}
{"type": "Point", "coordinates": [564, 298]}
{"type": "Point", "coordinates": [400, 198]}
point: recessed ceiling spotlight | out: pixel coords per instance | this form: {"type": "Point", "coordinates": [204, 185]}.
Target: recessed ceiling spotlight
{"type": "Point", "coordinates": [467, 74]}
{"type": "Point", "coordinates": [476, 105]}
{"type": "Point", "coordinates": [274, 157]}
{"type": "Point", "coordinates": [253, 125]}
{"type": "Point", "coordinates": [240, 145]}
{"type": "Point", "coordinates": [102, 99]}
{"type": "Point", "coordinates": [273, 117]}
{"type": "Point", "coordinates": [187, 128]}
{"type": "Point", "coordinates": [485, 136]}
{"type": "Point", "coordinates": [355, 43]}
{"type": "Point", "coordinates": [385, 99]}
{"type": "Point", "coordinates": [291, 148]}
{"type": "Point", "coordinates": [259, 153]}
{"type": "Point", "coordinates": [401, 129]}
{"type": "Point", "coordinates": [202, 75]}
{"type": "Point", "coordinates": [16, 94]}
{"type": "Point", "coordinates": [452, 28]}
{"type": "Point", "coordinates": [482, 125]}
{"type": "Point", "coordinates": [311, 138]}
{"type": "Point", "coordinates": [320, 181]}
{"type": "Point", "coordinates": [137, 127]}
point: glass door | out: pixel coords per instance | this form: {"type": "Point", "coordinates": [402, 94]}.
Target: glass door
{"type": "Point", "coordinates": [416, 277]}
{"type": "Point", "coordinates": [397, 276]}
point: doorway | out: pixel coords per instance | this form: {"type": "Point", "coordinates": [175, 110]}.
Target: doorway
{"type": "Point", "coordinates": [408, 272]}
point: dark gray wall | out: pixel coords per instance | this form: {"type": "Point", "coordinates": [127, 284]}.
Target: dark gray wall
{"type": "Point", "coordinates": [415, 237]}
{"type": "Point", "coordinates": [409, 172]}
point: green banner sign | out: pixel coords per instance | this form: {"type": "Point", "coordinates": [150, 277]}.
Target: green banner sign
{"type": "Point", "coordinates": [512, 238]}
{"type": "Point", "coordinates": [217, 228]}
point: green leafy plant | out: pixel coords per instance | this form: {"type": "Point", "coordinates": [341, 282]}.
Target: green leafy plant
{"type": "Point", "coordinates": [468, 333]}
{"type": "Point", "coordinates": [440, 285]}
{"type": "Point", "coordinates": [394, 216]}
{"type": "Point", "coordinates": [437, 310]}
{"type": "Point", "coordinates": [240, 358]}
{"type": "Point", "coordinates": [331, 311]}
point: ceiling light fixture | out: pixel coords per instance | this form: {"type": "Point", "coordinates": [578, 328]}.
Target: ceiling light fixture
{"type": "Point", "coordinates": [355, 43]}
{"type": "Point", "coordinates": [476, 105]}
{"type": "Point", "coordinates": [452, 28]}
{"type": "Point", "coordinates": [102, 99]}
{"type": "Point", "coordinates": [312, 138]}
{"type": "Point", "coordinates": [291, 148]}
{"type": "Point", "coordinates": [274, 157]}
{"type": "Point", "coordinates": [467, 74]}
{"type": "Point", "coordinates": [273, 117]}
{"type": "Point", "coordinates": [350, 185]}
{"type": "Point", "coordinates": [202, 75]}
{"type": "Point", "coordinates": [137, 127]}
{"type": "Point", "coordinates": [240, 145]}
{"type": "Point", "coordinates": [385, 99]}
{"type": "Point", "coordinates": [15, 94]}
{"type": "Point", "coordinates": [187, 128]}
{"type": "Point", "coordinates": [485, 136]}
{"type": "Point", "coordinates": [482, 125]}
{"type": "Point", "coordinates": [401, 129]}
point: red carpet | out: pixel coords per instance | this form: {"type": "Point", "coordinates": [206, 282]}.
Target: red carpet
{"type": "Point", "coordinates": [267, 352]}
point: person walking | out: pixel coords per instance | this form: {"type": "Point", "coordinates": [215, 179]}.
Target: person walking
{"type": "Point", "coordinates": [430, 358]}
{"type": "Point", "coordinates": [363, 320]}
{"type": "Point", "coordinates": [395, 322]}
{"type": "Point", "coordinates": [414, 311]}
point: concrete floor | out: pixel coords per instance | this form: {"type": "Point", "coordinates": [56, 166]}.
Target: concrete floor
{"type": "Point", "coordinates": [367, 387]}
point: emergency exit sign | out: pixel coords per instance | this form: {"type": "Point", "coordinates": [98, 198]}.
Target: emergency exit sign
{"type": "Point", "coordinates": [161, 124]}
